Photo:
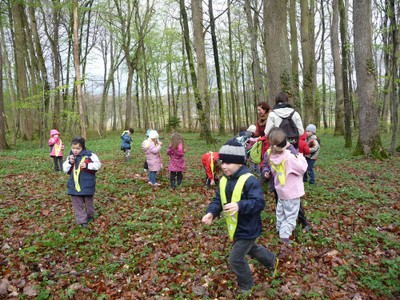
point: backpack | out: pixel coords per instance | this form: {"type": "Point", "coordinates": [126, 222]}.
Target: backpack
{"type": "Point", "coordinates": [290, 129]}
{"type": "Point", "coordinates": [256, 152]}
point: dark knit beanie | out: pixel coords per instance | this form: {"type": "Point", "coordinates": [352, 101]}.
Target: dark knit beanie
{"type": "Point", "coordinates": [232, 153]}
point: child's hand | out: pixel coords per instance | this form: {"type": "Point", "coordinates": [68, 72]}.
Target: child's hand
{"type": "Point", "coordinates": [71, 159]}
{"type": "Point", "coordinates": [207, 219]}
{"type": "Point", "coordinates": [212, 182]}
{"type": "Point", "coordinates": [231, 208]}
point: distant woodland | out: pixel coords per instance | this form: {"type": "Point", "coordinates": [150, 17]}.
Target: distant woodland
{"type": "Point", "coordinates": [95, 65]}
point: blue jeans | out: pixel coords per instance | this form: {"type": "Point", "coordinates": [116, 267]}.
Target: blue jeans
{"type": "Point", "coordinates": [152, 176]}
{"type": "Point", "coordinates": [238, 261]}
{"type": "Point", "coordinates": [310, 171]}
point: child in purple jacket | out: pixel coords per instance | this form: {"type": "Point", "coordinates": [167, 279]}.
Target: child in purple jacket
{"type": "Point", "coordinates": [177, 164]}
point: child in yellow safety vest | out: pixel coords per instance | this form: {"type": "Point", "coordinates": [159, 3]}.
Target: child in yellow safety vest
{"type": "Point", "coordinates": [82, 166]}
{"type": "Point", "coordinates": [240, 199]}
{"type": "Point", "coordinates": [286, 170]}
{"type": "Point", "coordinates": [56, 149]}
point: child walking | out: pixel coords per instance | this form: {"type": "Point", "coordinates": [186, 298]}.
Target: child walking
{"type": "Point", "coordinates": [145, 145]}
{"type": "Point", "coordinates": [56, 148]}
{"type": "Point", "coordinates": [287, 170]}
{"type": "Point", "coordinates": [211, 164]}
{"type": "Point", "coordinates": [82, 166]}
{"type": "Point", "coordinates": [311, 158]}
{"type": "Point", "coordinates": [152, 148]}
{"type": "Point", "coordinates": [240, 199]}
{"type": "Point", "coordinates": [126, 140]}
{"type": "Point", "coordinates": [177, 164]}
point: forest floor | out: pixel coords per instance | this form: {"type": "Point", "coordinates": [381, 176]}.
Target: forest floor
{"type": "Point", "coordinates": [149, 243]}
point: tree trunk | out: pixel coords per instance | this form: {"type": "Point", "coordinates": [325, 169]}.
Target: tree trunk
{"type": "Point", "coordinates": [21, 71]}
{"type": "Point", "coordinates": [256, 68]}
{"type": "Point", "coordinates": [308, 54]}
{"type": "Point", "coordinates": [199, 105]}
{"type": "Point", "coordinates": [345, 58]}
{"type": "Point", "coordinates": [369, 140]}
{"type": "Point", "coordinates": [221, 108]}
{"type": "Point", "coordinates": [9, 80]}
{"type": "Point", "coordinates": [44, 78]}
{"type": "Point", "coordinates": [78, 72]}
{"type": "Point", "coordinates": [235, 109]}
{"type": "Point", "coordinates": [3, 141]}
{"type": "Point", "coordinates": [294, 48]}
{"type": "Point", "coordinates": [202, 78]}
{"type": "Point", "coordinates": [324, 108]}
{"type": "Point", "coordinates": [395, 71]}
{"type": "Point", "coordinates": [337, 70]}
{"type": "Point", "coordinates": [279, 69]}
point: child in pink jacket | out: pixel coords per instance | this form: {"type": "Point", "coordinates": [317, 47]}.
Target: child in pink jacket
{"type": "Point", "coordinates": [177, 164]}
{"type": "Point", "coordinates": [56, 148]}
{"type": "Point", "coordinates": [287, 170]}
{"type": "Point", "coordinates": [152, 148]}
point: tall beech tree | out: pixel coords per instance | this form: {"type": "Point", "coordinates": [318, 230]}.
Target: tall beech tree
{"type": "Point", "coordinates": [337, 70]}
{"type": "Point", "coordinates": [3, 141]}
{"type": "Point", "coordinates": [369, 139]}
{"type": "Point", "coordinates": [205, 129]}
{"type": "Point", "coordinates": [277, 51]}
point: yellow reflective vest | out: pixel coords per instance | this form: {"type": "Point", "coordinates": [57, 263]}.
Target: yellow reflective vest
{"type": "Point", "coordinates": [231, 220]}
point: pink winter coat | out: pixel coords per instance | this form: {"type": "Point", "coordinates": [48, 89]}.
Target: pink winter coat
{"type": "Point", "coordinates": [295, 167]}
{"type": "Point", "coordinates": [56, 144]}
{"type": "Point", "coordinates": [153, 156]}
{"type": "Point", "coordinates": [177, 161]}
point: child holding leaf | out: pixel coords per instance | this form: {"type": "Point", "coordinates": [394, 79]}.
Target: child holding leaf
{"type": "Point", "coordinates": [82, 166]}
{"type": "Point", "coordinates": [56, 147]}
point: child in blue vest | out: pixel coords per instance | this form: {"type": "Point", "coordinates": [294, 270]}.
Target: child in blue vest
{"type": "Point", "coordinates": [82, 166]}
{"type": "Point", "coordinates": [240, 199]}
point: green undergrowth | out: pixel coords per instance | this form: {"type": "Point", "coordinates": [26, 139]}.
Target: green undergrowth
{"type": "Point", "coordinates": [150, 243]}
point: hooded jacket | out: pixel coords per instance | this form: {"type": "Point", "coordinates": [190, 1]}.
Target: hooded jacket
{"type": "Point", "coordinates": [206, 162]}
{"type": "Point", "coordinates": [153, 156]}
{"type": "Point", "coordinates": [250, 205]}
{"type": "Point", "coordinates": [177, 161]}
{"type": "Point", "coordinates": [126, 140]}
{"type": "Point", "coordinates": [294, 166]}
{"type": "Point", "coordinates": [283, 110]}
{"type": "Point", "coordinates": [54, 143]}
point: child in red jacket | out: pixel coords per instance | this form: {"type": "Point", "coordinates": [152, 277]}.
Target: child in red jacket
{"type": "Point", "coordinates": [211, 164]}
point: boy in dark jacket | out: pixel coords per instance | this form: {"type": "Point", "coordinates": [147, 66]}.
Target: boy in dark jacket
{"type": "Point", "coordinates": [240, 199]}
{"type": "Point", "coordinates": [82, 165]}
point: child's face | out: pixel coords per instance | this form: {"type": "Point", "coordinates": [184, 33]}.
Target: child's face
{"type": "Point", "coordinates": [55, 136]}
{"type": "Point", "coordinates": [309, 133]}
{"type": "Point", "coordinates": [229, 169]}
{"type": "Point", "coordinates": [76, 149]}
